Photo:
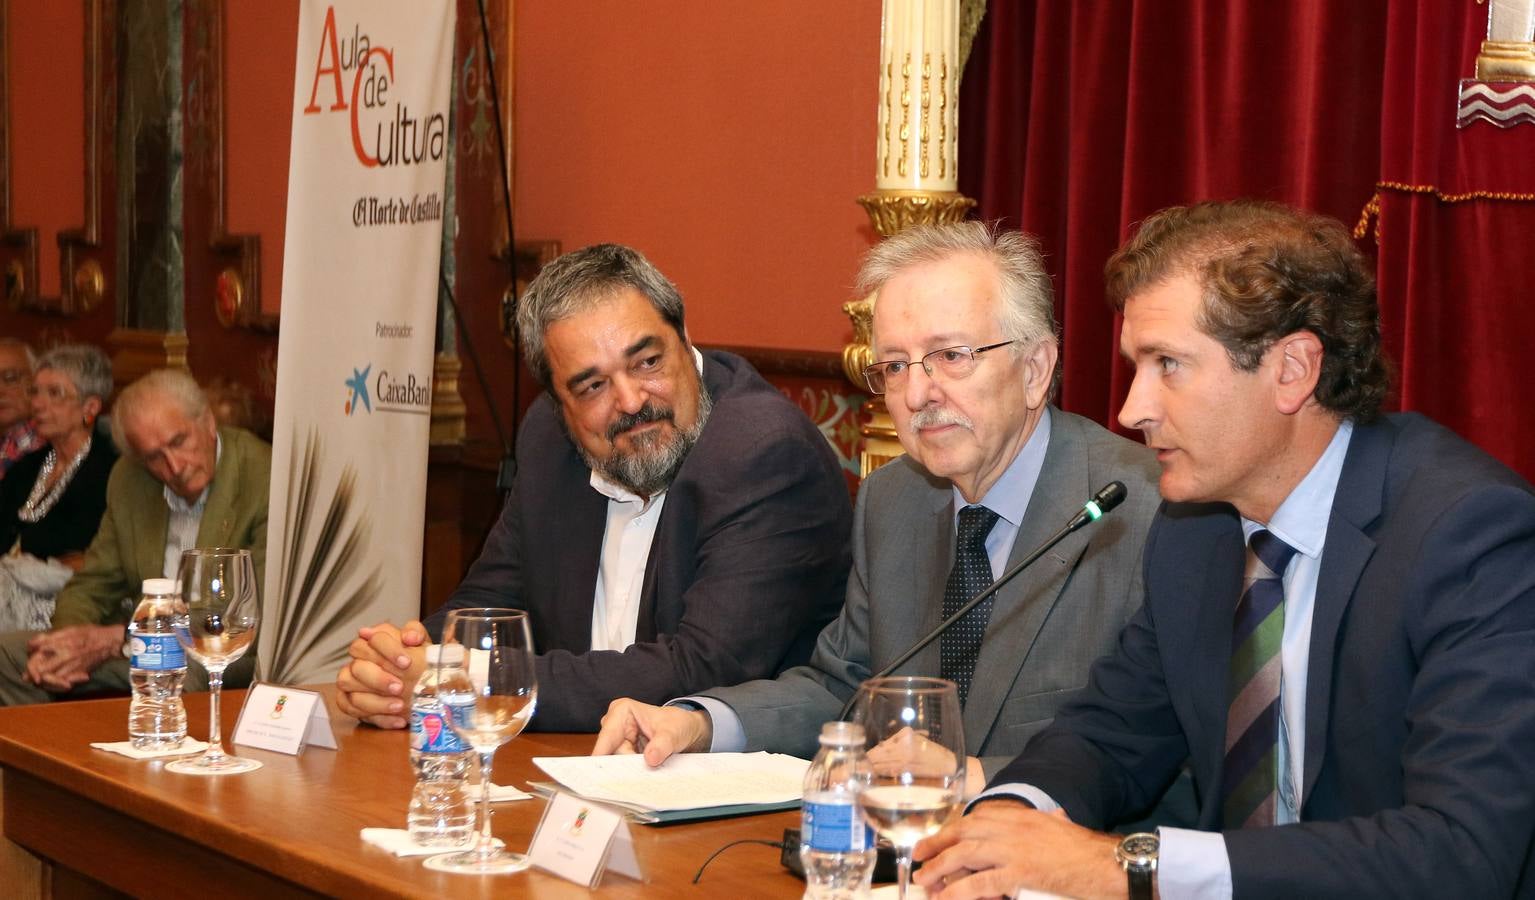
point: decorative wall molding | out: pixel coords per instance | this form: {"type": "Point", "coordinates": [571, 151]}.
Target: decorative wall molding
{"type": "Point", "coordinates": [796, 363]}
{"type": "Point", "coordinates": [138, 351]}
{"type": "Point", "coordinates": [532, 256]}
{"type": "Point", "coordinates": [236, 289]}
{"type": "Point", "coordinates": [83, 283]}
{"type": "Point", "coordinates": [448, 410]}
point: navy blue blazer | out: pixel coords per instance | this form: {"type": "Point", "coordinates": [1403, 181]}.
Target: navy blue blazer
{"type": "Point", "coordinates": [1419, 764]}
{"type": "Point", "coordinates": [748, 564]}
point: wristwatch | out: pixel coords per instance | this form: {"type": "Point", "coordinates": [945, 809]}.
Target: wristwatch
{"type": "Point", "coordinates": [1137, 855]}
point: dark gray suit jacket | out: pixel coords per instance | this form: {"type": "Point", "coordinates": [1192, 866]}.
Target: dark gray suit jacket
{"type": "Point", "coordinates": [748, 563]}
{"type": "Point", "coordinates": [1046, 626]}
{"type": "Point", "coordinates": [1419, 775]}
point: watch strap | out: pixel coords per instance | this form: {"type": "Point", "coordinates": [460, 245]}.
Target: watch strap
{"type": "Point", "coordinates": [1140, 882]}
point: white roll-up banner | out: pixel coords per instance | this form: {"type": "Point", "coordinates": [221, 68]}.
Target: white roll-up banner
{"type": "Point", "coordinates": [359, 297]}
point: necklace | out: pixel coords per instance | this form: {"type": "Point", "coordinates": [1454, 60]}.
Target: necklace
{"type": "Point", "coordinates": [41, 500]}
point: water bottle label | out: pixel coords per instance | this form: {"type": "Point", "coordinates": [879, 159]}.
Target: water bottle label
{"type": "Point", "coordinates": [157, 652]}
{"type": "Point", "coordinates": [431, 729]}
{"type": "Point", "coordinates": [835, 828]}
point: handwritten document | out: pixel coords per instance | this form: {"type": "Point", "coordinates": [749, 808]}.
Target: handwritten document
{"type": "Point", "coordinates": [685, 781]}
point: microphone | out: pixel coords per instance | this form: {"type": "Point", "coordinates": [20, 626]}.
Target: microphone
{"type": "Point", "coordinates": [1110, 496]}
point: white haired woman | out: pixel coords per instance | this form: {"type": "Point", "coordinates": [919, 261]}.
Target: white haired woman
{"type": "Point", "coordinates": [52, 499]}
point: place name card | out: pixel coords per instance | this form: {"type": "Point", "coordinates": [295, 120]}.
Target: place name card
{"type": "Point", "coordinates": [283, 719]}
{"type": "Point", "coordinates": [577, 839]}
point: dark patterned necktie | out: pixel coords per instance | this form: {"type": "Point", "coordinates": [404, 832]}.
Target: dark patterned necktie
{"type": "Point", "coordinates": [1250, 780]}
{"type": "Point", "coordinates": [960, 645]}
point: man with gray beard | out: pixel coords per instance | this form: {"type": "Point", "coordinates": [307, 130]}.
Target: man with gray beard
{"type": "Point", "coordinates": [676, 523]}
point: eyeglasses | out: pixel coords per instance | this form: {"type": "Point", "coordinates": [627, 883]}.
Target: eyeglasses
{"type": "Point", "coordinates": [54, 393]}
{"type": "Point", "coordinates": [950, 363]}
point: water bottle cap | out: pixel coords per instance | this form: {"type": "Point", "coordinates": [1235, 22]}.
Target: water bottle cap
{"type": "Point", "coordinates": [159, 585]}
{"type": "Point", "coordinates": [447, 654]}
{"type": "Point", "coordinates": [841, 733]}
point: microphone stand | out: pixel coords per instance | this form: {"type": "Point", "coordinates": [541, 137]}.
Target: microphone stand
{"type": "Point", "coordinates": [1106, 499]}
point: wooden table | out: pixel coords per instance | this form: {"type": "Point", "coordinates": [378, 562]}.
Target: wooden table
{"type": "Point", "coordinates": [291, 827]}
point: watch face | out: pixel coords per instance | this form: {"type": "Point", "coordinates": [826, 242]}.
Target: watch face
{"type": "Point", "coordinates": [1139, 850]}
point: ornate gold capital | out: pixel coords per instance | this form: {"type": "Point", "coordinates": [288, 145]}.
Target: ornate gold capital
{"type": "Point", "coordinates": [859, 354]}
{"type": "Point", "coordinates": [1506, 61]}
{"type": "Point", "coordinates": [892, 212]}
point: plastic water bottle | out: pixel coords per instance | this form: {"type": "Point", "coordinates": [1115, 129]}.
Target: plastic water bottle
{"type": "Point", "coordinates": [836, 844]}
{"type": "Point", "coordinates": [441, 809]}
{"type": "Point", "coordinates": [157, 719]}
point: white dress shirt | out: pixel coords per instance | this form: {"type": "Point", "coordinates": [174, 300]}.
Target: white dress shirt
{"type": "Point", "coordinates": [626, 540]}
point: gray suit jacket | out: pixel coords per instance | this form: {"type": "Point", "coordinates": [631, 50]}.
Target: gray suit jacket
{"type": "Point", "coordinates": [1047, 626]}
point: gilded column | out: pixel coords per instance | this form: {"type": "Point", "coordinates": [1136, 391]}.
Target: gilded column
{"type": "Point", "coordinates": [915, 160]}
{"type": "Point", "coordinates": [1508, 54]}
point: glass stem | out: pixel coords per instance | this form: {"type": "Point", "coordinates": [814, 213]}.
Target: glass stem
{"type": "Point", "coordinates": [903, 870]}
{"type": "Point", "coordinates": [215, 726]}
{"type": "Point", "coordinates": [485, 847]}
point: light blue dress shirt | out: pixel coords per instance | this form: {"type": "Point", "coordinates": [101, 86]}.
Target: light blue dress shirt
{"type": "Point", "coordinates": [1008, 498]}
{"type": "Point", "coordinates": [1194, 864]}
{"type": "Point", "coordinates": [185, 519]}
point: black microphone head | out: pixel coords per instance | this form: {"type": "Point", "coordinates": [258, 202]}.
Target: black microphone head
{"type": "Point", "coordinates": [1108, 497]}
{"type": "Point", "coordinates": [1111, 496]}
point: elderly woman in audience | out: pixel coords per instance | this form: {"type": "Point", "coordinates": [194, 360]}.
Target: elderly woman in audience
{"type": "Point", "coordinates": [52, 499]}
{"type": "Point", "coordinates": [17, 436]}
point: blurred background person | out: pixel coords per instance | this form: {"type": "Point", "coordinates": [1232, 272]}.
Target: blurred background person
{"type": "Point", "coordinates": [17, 436]}
{"type": "Point", "coordinates": [52, 501]}
{"type": "Point", "coordinates": [183, 481]}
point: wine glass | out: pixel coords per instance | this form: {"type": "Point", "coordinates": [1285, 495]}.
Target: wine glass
{"type": "Point", "coordinates": [216, 623]}
{"type": "Point", "coordinates": [916, 757]}
{"type": "Point", "coordinates": [488, 700]}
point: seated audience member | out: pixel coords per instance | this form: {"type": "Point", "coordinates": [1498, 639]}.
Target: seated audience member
{"type": "Point", "coordinates": [51, 504]}
{"type": "Point", "coordinates": [676, 522]}
{"type": "Point", "coordinates": [183, 482]}
{"type": "Point", "coordinates": [1339, 623]}
{"type": "Point", "coordinates": [17, 436]}
{"type": "Point", "coordinates": [964, 331]}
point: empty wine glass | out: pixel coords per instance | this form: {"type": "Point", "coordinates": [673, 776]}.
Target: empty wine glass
{"type": "Point", "coordinates": [216, 623]}
{"type": "Point", "coordinates": [488, 701]}
{"type": "Point", "coordinates": [916, 756]}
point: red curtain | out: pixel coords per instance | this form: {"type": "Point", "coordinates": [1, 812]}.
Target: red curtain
{"type": "Point", "coordinates": [1078, 119]}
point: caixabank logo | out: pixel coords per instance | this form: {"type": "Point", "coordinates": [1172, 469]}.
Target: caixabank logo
{"type": "Point", "coordinates": [387, 393]}
{"type": "Point", "coordinates": [353, 76]}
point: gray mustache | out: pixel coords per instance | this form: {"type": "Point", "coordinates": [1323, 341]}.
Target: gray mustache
{"type": "Point", "coordinates": [933, 417]}
{"type": "Point", "coordinates": [646, 414]}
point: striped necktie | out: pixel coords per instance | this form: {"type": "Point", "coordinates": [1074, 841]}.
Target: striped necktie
{"type": "Point", "coordinates": [961, 645]}
{"type": "Point", "coordinates": [1249, 781]}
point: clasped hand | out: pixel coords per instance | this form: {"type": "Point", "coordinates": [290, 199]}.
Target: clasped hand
{"type": "Point", "coordinates": [61, 659]}
{"type": "Point", "coordinates": [376, 682]}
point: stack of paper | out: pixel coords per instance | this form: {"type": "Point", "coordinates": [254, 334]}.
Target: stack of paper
{"type": "Point", "coordinates": [686, 786]}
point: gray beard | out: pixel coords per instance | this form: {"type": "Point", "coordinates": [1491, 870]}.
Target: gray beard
{"type": "Point", "coordinates": [648, 469]}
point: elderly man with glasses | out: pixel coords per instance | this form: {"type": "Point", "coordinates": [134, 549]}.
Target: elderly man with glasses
{"type": "Point", "coordinates": [18, 436]}
{"type": "Point", "coordinates": [965, 334]}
